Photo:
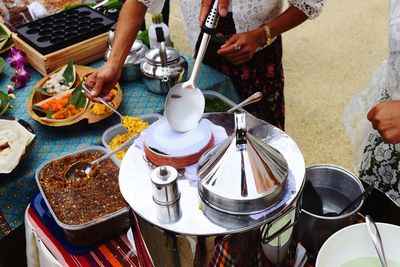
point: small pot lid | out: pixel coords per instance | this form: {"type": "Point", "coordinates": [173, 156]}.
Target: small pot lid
{"type": "Point", "coordinates": [153, 56]}
{"type": "Point", "coordinates": [136, 46]}
{"type": "Point", "coordinates": [164, 175]}
{"type": "Point", "coordinates": [136, 55]}
{"type": "Point", "coordinates": [243, 174]}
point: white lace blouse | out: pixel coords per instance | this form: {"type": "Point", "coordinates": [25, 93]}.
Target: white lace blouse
{"type": "Point", "coordinates": [247, 14]}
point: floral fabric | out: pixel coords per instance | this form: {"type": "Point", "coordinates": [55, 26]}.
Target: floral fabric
{"type": "Point", "coordinates": [380, 162]}
{"type": "Point", "coordinates": [380, 166]}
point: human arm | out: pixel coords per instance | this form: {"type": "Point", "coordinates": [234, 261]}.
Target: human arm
{"type": "Point", "coordinates": [385, 118]}
{"type": "Point", "coordinates": [251, 40]}
{"type": "Point", "coordinates": [130, 19]}
{"type": "Point", "coordinates": [297, 12]}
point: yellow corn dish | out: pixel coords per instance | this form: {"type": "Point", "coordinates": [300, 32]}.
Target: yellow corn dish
{"type": "Point", "coordinates": [134, 126]}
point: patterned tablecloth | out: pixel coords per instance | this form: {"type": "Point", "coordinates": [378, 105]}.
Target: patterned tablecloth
{"type": "Point", "coordinates": [18, 188]}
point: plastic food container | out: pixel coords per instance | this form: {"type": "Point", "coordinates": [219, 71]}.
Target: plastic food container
{"type": "Point", "coordinates": [111, 132]}
{"type": "Point", "coordinates": [90, 232]}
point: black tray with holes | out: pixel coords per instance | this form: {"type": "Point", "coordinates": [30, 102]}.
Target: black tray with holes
{"type": "Point", "coordinates": [63, 29]}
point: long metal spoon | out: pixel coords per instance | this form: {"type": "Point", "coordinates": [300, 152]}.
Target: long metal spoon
{"type": "Point", "coordinates": [251, 99]}
{"type": "Point", "coordinates": [376, 239]}
{"type": "Point", "coordinates": [82, 168]}
{"type": "Point", "coordinates": [88, 89]}
{"type": "Point", "coordinates": [184, 104]}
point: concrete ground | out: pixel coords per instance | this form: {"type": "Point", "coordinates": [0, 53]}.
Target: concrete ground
{"type": "Point", "coordinates": [326, 61]}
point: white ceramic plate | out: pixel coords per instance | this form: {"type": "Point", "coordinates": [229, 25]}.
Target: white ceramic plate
{"type": "Point", "coordinates": [353, 243]}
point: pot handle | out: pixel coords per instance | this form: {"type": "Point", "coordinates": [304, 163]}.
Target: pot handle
{"type": "Point", "coordinates": [240, 130]}
{"type": "Point", "coordinates": [266, 238]}
{"type": "Point", "coordinates": [161, 41]}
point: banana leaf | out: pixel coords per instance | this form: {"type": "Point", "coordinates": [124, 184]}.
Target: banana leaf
{"type": "Point", "coordinates": [69, 74]}
{"type": "Point", "coordinates": [78, 98]}
{"type": "Point", "coordinates": [4, 102]}
{"type": "Point", "coordinates": [8, 44]}
{"type": "Point", "coordinates": [42, 91]}
{"type": "Point", "coordinates": [1, 64]}
{"type": "Point", "coordinates": [3, 33]}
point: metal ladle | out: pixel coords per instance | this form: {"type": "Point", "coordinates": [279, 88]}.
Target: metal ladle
{"type": "Point", "coordinates": [184, 104]}
{"type": "Point", "coordinates": [82, 168]}
{"type": "Point", "coordinates": [376, 239]}
{"type": "Point", "coordinates": [355, 201]}
{"type": "Point", "coordinates": [88, 90]}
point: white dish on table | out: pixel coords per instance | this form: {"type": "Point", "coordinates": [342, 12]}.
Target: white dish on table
{"type": "Point", "coordinates": [352, 246]}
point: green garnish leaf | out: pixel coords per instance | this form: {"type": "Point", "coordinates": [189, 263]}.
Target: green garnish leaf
{"type": "Point", "coordinates": [4, 100]}
{"type": "Point", "coordinates": [49, 114]}
{"type": "Point", "coordinates": [144, 37]}
{"type": "Point", "coordinates": [78, 98]}
{"type": "Point", "coordinates": [1, 64]}
{"type": "Point", "coordinates": [68, 74]}
{"type": "Point", "coordinates": [8, 44]}
{"type": "Point", "coordinates": [42, 91]}
{"type": "Point", "coordinates": [37, 108]}
{"type": "Point", "coordinates": [3, 43]}
{"type": "Point", "coordinates": [3, 33]}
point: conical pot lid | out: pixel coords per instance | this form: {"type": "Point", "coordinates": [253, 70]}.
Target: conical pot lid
{"type": "Point", "coordinates": [242, 175]}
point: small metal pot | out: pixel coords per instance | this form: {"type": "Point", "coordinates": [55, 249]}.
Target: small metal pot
{"type": "Point", "coordinates": [131, 70]}
{"type": "Point", "coordinates": [330, 189]}
{"type": "Point", "coordinates": [165, 187]}
{"type": "Point", "coordinates": [159, 79]}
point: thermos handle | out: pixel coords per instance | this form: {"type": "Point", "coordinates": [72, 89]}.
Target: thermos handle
{"type": "Point", "coordinates": [161, 41]}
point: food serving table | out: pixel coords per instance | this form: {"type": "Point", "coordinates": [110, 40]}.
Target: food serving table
{"type": "Point", "coordinates": [190, 216]}
{"type": "Point", "coordinates": [18, 188]}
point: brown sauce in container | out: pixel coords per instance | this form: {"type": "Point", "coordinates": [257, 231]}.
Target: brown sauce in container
{"type": "Point", "coordinates": [84, 199]}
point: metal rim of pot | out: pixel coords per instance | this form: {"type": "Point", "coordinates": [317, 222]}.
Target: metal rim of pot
{"type": "Point", "coordinates": [334, 167]}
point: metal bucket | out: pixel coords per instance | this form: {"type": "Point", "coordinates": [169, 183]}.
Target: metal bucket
{"type": "Point", "coordinates": [330, 189]}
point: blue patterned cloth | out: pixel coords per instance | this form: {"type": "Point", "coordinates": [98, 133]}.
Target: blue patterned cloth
{"type": "Point", "coordinates": [18, 188]}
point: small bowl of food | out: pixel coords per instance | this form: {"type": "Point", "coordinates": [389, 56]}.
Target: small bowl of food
{"type": "Point", "coordinates": [58, 99]}
{"type": "Point", "coordinates": [116, 135]}
{"type": "Point", "coordinates": [352, 246]}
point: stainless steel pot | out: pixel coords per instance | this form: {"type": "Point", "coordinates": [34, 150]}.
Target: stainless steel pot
{"type": "Point", "coordinates": [165, 188]}
{"type": "Point", "coordinates": [242, 175]}
{"type": "Point", "coordinates": [328, 189]}
{"type": "Point", "coordinates": [131, 70]}
{"type": "Point", "coordinates": [159, 79]}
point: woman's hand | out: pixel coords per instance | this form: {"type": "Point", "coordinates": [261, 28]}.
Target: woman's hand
{"type": "Point", "coordinates": [241, 47]}
{"type": "Point", "coordinates": [102, 81]}
{"type": "Point", "coordinates": [385, 118]}
{"type": "Point", "coordinates": [223, 6]}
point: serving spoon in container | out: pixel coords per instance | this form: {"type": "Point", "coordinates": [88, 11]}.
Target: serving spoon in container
{"type": "Point", "coordinates": [184, 104]}
{"type": "Point", "coordinates": [82, 168]}
{"type": "Point", "coordinates": [88, 89]}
